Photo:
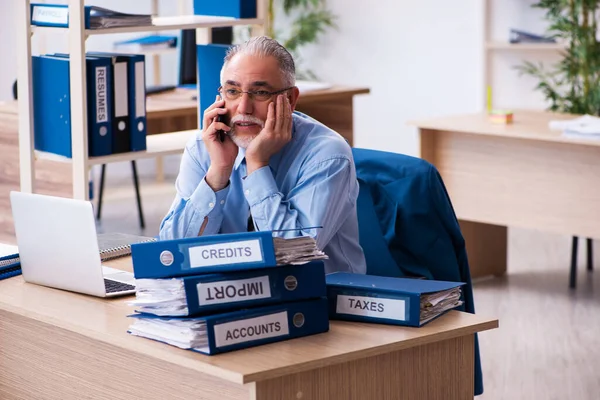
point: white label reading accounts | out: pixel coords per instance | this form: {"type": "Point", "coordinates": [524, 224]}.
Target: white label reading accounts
{"type": "Point", "coordinates": [251, 329]}
{"type": "Point", "coordinates": [371, 307]}
{"type": "Point", "coordinates": [225, 253]}
{"type": "Point", "coordinates": [234, 290]}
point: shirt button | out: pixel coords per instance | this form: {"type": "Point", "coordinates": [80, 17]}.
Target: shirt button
{"type": "Point", "coordinates": [211, 205]}
{"type": "Point", "coordinates": [247, 191]}
{"type": "Point", "coordinates": [222, 202]}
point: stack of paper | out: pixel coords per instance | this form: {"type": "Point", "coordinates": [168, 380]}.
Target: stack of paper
{"type": "Point", "coordinates": [435, 304]}
{"type": "Point", "coordinates": [161, 297]}
{"type": "Point", "coordinates": [586, 127]}
{"type": "Point", "coordinates": [185, 334]}
{"type": "Point", "coordinates": [105, 18]}
{"type": "Point", "coordinates": [297, 250]}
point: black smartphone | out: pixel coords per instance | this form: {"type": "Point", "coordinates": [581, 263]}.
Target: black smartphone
{"type": "Point", "coordinates": [221, 132]}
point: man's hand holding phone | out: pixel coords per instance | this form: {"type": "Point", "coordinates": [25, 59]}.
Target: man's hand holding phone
{"type": "Point", "coordinates": [276, 133]}
{"type": "Point", "coordinates": [222, 152]}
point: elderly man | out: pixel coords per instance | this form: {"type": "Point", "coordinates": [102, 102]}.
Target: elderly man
{"type": "Point", "coordinates": [260, 165]}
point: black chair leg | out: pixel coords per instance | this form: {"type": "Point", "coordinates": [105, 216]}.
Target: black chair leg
{"type": "Point", "coordinates": [590, 254]}
{"type": "Point", "coordinates": [573, 273]}
{"type": "Point", "coordinates": [137, 193]}
{"type": "Point", "coordinates": [101, 189]}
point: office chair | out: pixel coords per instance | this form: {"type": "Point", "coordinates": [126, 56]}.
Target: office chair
{"type": "Point", "coordinates": [407, 225]}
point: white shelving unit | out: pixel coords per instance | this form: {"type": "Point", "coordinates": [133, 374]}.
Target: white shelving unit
{"type": "Point", "coordinates": [491, 47]}
{"type": "Point", "coordinates": [157, 145]}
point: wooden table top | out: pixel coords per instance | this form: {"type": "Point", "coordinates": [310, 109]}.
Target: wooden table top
{"type": "Point", "coordinates": [528, 124]}
{"type": "Point", "coordinates": [106, 320]}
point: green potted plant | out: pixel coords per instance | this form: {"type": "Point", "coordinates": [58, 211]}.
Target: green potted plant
{"type": "Point", "coordinates": [572, 85]}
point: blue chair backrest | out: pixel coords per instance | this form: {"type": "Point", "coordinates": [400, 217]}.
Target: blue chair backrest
{"type": "Point", "coordinates": [407, 226]}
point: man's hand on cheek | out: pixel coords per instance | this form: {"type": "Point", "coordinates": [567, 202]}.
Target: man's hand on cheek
{"type": "Point", "coordinates": [276, 133]}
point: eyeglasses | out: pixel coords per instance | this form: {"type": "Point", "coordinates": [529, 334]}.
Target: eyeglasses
{"type": "Point", "coordinates": [259, 95]}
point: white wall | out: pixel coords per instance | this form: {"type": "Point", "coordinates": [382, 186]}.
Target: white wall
{"type": "Point", "coordinates": [8, 48]}
{"type": "Point", "coordinates": [419, 58]}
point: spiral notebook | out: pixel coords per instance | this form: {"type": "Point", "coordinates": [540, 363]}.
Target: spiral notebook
{"type": "Point", "coordinates": [115, 245]}
{"type": "Point", "coordinates": [10, 264]}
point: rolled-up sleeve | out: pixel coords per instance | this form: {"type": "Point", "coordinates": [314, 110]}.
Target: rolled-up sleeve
{"type": "Point", "coordinates": [194, 202]}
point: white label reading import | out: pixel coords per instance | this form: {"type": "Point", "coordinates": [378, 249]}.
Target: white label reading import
{"type": "Point", "coordinates": [371, 307]}
{"type": "Point", "coordinates": [225, 253]}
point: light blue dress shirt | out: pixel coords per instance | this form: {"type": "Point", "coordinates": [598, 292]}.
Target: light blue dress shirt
{"type": "Point", "coordinates": [310, 182]}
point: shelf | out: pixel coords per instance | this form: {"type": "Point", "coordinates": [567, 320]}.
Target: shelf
{"type": "Point", "coordinates": [163, 144]}
{"type": "Point", "coordinates": [171, 23]}
{"type": "Point", "coordinates": [525, 46]}
{"type": "Point", "coordinates": [148, 52]}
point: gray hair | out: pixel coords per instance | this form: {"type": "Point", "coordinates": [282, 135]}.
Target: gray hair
{"type": "Point", "coordinates": [263, 46]}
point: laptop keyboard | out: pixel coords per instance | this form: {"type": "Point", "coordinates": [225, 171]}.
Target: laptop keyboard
{"type": "Point", "coordinates": [114, 286]}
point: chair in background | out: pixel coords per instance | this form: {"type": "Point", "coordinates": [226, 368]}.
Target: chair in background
{"type": "Point", "coordinates": [136, 185]}
{"type": "Point", "coordinates": [590, 259]}
{"type": "Point", "coordinates": [407, 225]}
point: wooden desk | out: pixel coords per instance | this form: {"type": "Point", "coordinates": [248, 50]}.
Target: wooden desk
{"type": "Point", "coordinates": [521, 175]}
{"type": "Point", "coordinates": [177, 110]}
{"type": "Point", "coordinates": [61, 345]}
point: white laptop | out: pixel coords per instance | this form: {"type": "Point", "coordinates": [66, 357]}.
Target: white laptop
{"type": "Point", "coordinates": [58, 246]}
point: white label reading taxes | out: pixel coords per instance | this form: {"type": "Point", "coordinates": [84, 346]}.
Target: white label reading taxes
{"type": "Point", "coordinates": [225, 253]}
{"type": "Point", "coordinates": [371, 307]}
{"type": "Point", "coordinates": [50, 15]}
{"type": "Point", "coordinates": [101, 110]}
{"type": "Point", "coordinates": [230, 291]}
{"type": "Point", "coordinates": [251, 329]}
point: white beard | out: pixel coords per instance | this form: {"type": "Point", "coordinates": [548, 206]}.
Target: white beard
{"type": "Point", "coordinates": [243, 141]}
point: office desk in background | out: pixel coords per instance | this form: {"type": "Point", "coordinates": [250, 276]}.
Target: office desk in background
{"type": "Point", "coordinates": [61, 345]}
{"type": "Point", "coordinates": [521, 174]}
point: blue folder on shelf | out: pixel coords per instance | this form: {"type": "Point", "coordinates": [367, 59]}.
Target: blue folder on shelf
{"type": "Point", "coordinates": [203, 294]}
{"type": "Point", "coordinates": [203, 254]}
{"type": "Point", "coordinates": [210, 61]}
{"type": "Point", "coordinates": [121, 121]}
{"type": "Point", "coordinates": [226, 8]}
{"type": "Point", "coordinates": [388, 300]}
{"type": "Point", "coordinates": [220, 333]}
{"type": "Point", "coordinates": [52, 105]}
{"type": "Point", "coordinates": [57, 16]}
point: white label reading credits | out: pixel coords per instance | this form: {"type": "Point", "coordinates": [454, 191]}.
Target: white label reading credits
{"type": "Point", "coordinates": [251, 329]}
{"type": "Point", "coordinates": [234, 290]}
{"type": "Point", "coordinates": [371, 307]}
{"type": "Point", "coordinates": [225, 253]}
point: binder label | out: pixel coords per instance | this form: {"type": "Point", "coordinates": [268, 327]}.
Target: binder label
{"type": "Point", "coordinates": [101, 111]}
{"type": "Point", "coordinates": [251, 329]}
{"type": "Point", "coordinates": [234, 290]}
{"type": "Point", "coordinates": [50, 15]}
{"type": "Point", "coordinates": [225, 253]}
{"type": "Point", "coordinates": [371, 307]}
